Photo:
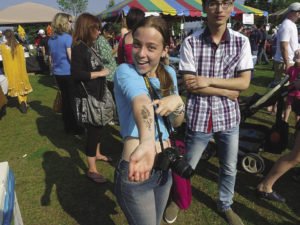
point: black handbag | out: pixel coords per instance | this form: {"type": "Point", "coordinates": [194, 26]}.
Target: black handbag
{"type": "Point", "coordinates": [95, 112]}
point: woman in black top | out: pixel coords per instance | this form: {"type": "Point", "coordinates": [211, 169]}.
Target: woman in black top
{"type": "Point", "coordinates": [86, 67]}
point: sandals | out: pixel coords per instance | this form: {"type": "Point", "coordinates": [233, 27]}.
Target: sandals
{"type": "Point", "coordinates": [96, 177]}
{"type": "Point", "coordinates": [104, 159]}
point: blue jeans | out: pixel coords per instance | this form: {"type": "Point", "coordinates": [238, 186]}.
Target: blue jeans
{"type": "Point", "coordinates": [262, 53]}
{"type": "Point", "coordinates": [227, 142]}
{"type": "Point", "coordinates": [143, 203]}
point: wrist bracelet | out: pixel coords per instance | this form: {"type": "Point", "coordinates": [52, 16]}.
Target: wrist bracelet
{"type": "Point", "coordinates": [180, 109]}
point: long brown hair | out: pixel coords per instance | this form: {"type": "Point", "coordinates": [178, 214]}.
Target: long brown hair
{"type": "Point", "coordinates": [11, 41]}
{"type": "Point", "coordinates": [158, 23]}
{"type": "Point", "coordinates": [84, 26]}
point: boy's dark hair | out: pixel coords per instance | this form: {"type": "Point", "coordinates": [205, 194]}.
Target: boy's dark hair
{"type": "Point", "coordinates": [204, 2]}
{"type": "Point", "coordinates": [108, 27]}
{"type": "Point", "coordinates": [133, 17]}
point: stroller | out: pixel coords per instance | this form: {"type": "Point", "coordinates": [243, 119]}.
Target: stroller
{"type": "Point", "coordinates": [254, 138]}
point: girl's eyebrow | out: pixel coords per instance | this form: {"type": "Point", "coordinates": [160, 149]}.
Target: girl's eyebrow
{"type": "Point", "coordinates": [153, 43]}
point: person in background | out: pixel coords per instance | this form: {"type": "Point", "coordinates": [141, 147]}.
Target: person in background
{"type": "Point", "coordinates": [142, 190]}
{"type": "Point", "coordinates": [3, 93]}
{"type": "Point", "coordinates": [291, 159]}
{"type": "Point", "coordinates": [254, 39]}
{"type": "Point", "coordinates": [3, 82]}
{"type": "Point", "coordinates": [293, 99]}
{"type": "Point", "coordinates": [106, 52]}
{"type": "Point", "coordinates": [60, 57]}
{"type": "Point", "coordinates": [262, 45]}
{"type": "Point", "coordinates": [43, 45]}
{"type": "Point", "coordinates": [274, 40]}
{"type": "Point", "coordinates": [286, 45]}
{"type": "Point", "coordinates": [125, 44]}
{"type": "Point", "coordinates": [87, 67]}
{"type": "Point", "coordinates": [2, 37]}
{"type": "Point", "coordinates": [14, 66]}
{"type": "Point", "coordinates": [216, 64]}
{"type": "Point", "coordinates": [124, 29]}
{"type": "Point", "coordinates": [239, 27]}
{"type": "Point", "coordinates": [39, 37]}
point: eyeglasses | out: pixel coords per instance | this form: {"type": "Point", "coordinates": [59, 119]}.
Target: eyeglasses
{"type": "Point", "coordinates": [215, 4]}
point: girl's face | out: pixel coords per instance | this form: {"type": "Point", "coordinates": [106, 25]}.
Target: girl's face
{"type": "Point", "coordinates": [147, 49]}
{"type": "Point", "coordinates": [70, 24]}
{"type": "Point", "coordinates": [95, 33]}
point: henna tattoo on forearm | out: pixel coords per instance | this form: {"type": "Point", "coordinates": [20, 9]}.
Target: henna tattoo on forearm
{"type": "Point", "coordinates": [147, 117]}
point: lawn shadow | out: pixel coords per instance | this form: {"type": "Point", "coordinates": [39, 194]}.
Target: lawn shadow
{"type": "Point", "coordinates": [263, 121]}
{"type": "Point", "coordinates": [111, 143]}
{"type": "Point", "coordinates": [48, 81]}
{"type": "Point", "coordinates": [85, 201]}
{"type": "Point", "coordinates": [12, 102]}
{"type": "Point", "coordinates": [206, 170]}
{"type": "Point", "coordinates": [50, 125]}
{"type": "Point", "coordinates": [261, 81]}
{"type": "Point", "coordinates": [210, 172]}
{"type": "Point", "coordinates": [246, 186]}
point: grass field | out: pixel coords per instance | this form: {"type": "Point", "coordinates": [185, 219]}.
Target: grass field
{"type": "Point", "coordinates": [50, 167]}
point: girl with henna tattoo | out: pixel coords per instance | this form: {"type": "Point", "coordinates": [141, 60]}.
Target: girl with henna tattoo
{"type": "Point", "coordinates": [141, 190]}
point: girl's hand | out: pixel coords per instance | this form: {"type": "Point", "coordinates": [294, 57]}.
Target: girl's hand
{"type": "Point", "coordinates": [167, 105]}
{"type": "Point", "coordinates": [104, 72]}
{"type": "Point", "coordinates": [141, 161]}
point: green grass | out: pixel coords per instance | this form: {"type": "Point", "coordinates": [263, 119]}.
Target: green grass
{"type": "Point", "coordinates": [50, 167]}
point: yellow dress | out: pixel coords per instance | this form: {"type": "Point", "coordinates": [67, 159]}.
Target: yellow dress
{"type": "Point", "coordinates": [15, 71]}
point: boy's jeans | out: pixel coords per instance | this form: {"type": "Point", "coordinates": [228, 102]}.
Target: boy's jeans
{"type": "Point", "coordinates": [227, 142]}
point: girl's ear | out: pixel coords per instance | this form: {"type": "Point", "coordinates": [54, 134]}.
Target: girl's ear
{"type": "Point", "coordinates": [165, 51]}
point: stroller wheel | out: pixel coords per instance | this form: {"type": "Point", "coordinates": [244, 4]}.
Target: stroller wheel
{"type": "Point", "coordinates": [253, 163]}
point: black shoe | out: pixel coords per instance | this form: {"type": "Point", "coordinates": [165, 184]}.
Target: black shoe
{"type": "Point", "coordinates": [273, 196]}
{"type": "Point", "coordinates": [296, 175]}
{"type": "Point", "coordinates": [2, 111]}
{"type": "Point", "coordinates": [23, 107]}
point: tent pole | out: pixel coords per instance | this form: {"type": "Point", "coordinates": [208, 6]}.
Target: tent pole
{"type": "Point", "coordinates": [182, 28]}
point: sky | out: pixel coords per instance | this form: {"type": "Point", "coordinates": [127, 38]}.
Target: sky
{"type": "Point", "coordinates": [94, 6]}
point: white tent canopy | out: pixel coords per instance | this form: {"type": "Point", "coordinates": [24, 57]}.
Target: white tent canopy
{"type": "Point", "coordinates": [27, 12]}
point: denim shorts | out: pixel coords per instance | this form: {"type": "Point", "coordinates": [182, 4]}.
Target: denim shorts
{"type": "Point", "coordinates": [143, 203]}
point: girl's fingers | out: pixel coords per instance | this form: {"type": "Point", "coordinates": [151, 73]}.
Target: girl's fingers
{"type": "Point", "coordinates": [156, 102]}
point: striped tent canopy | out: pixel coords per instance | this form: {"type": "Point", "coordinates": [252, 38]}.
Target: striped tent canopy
{"type": "Point", "coordinates": [187, 8]}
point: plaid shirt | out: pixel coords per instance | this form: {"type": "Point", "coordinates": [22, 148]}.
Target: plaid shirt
{"type": "Point", "coordinates": [199, 55]}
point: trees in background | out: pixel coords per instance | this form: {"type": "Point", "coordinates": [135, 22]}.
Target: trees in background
{"type": "Point", "coordinates": [266, 5]}
{"type": "Point", "coordinates": [74, 7]}
{"type": "Point", "coordinates": [110, 3]}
